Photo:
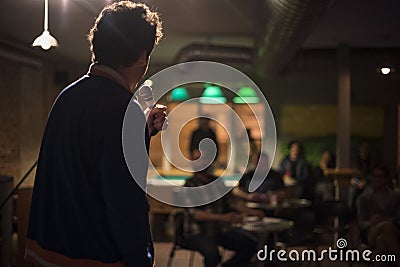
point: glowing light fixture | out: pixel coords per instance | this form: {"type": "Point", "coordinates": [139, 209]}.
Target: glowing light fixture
{"type": "Point", "coordinates": [179, 94]}
{"type": "Point", "coordinates": [45, 40]}
{"type": "Point", "coordinates": [246, 95]}
{"type": "Point", "coordinates": [385, 70]}
{"type": "Point", "coordinates": [212, 95]}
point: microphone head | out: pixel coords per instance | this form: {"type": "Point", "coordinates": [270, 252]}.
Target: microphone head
{"type": "Point", "coordinates": [146, 93]}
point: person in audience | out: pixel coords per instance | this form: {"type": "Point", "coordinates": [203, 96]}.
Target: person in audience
{"type": "Point", "coordinates": [244, 161]}
{"type": "Point", "coordinates": [363, 163]}
{"type": "Point", "coordinates": [211, 225]}
{"type": "Point", "coordinates": [204, 131]}
{"type": "Point", "coordinates": [324, 189]}
{"type": "Point", "coordinates": [295, 169]}
{"type": "Point", "coordinates": [379, 213]}
{"type": "Point", "coordinates": [271, 187]}
{"type": "Point", "coordinates": [324, 204]}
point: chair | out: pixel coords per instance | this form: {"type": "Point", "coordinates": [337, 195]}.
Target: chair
{"type": "Point", "coordinates": [180, 219]}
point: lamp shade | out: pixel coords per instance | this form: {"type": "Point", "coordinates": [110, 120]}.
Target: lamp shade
{"type": "Point", "coordinates": [212, 95]}
{"type": "Point", "coordinates": [179, 94]}
{"type": "Point", "coordinates": [246, 95]}
{"type": "Point", "coordinates": [45, 41]}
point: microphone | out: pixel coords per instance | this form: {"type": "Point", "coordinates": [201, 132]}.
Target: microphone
{"type": "Point", "coordinates": [146, 93]}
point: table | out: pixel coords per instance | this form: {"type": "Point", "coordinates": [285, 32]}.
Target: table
{"type": "Point", "coordinates": [265, 226]}
{"type": "Point", "coordinates": [292, 203]}
{"type": "Point", "coordinates": [179, 180]}
{"type": "Point", "coordinates": [341, 177]}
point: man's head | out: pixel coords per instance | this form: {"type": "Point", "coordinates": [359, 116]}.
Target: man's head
{"type": "Point", "coordinates": [123, 32]}
{"type": "Point", "coordinates": [380, 177]}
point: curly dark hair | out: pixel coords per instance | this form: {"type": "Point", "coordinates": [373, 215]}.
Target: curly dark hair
{"type": "Point", "coordinates": [122, 31]}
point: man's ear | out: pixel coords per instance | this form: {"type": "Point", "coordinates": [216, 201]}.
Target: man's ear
{"type": "Point", "coordinates": [142, 60]}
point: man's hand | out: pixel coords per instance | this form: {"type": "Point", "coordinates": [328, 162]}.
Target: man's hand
{"type": "Point", "coordinates": [253, 197]}
{"type": "Point", "coordinates": [231, 217]}
{"type": "Point", "coordinates": [288, 180]}
{"type": "Point", "coordinates": [157, 118]}
{"type": "Point", "coordinates": [259, 213]}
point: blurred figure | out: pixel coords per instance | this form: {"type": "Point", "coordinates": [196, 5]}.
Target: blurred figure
{"type": "Point", "coordinates": [295, 169]}
{"type": "Point", "coordinates": [363, 160]}
{"type": "Point", "coordinates": [379, 213]}
{"type": "Point", "coordinates": [202, 132]}
{"type": "Point", "coordinates": [246, 151]}
{"type": "Point", "coordinates": [363, 163]}
{"type": "Point", "coordinates": [324, 189]}
{"type": "Point", "coordinates": [213, 225]}
{"type": "Point", "coordinates": [254, 150]}
{"type": "Point", "coordinates": [271, 188]}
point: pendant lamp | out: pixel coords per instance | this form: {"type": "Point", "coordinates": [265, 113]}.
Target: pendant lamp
{"type": "Point", "coordinates": [45, 40]}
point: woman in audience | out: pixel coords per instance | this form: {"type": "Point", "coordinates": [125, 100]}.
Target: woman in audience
{"type": "Point", "coordinates": [324, 189]}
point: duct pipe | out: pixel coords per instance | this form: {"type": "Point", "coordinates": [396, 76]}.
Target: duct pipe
{"type": "Point", "coordinates": [288, 24]}
{"type": "Point", "coordinates": [223, 54]}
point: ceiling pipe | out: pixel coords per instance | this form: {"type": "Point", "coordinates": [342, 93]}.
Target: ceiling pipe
{"type": "Point", "coordinates": [289, 23]}
{"type": "Point", "coordinates": [222, 54]}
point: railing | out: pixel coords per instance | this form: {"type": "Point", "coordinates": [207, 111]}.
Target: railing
{"type": "Point", "coordinates": [6, 212]}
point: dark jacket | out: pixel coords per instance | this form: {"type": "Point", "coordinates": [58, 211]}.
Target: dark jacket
{"type": "Point", "coordinates": [272, 182]}
{"type": "Point", "coordinates": [298, 170]}
{"type": "Point", "coordinates": [85, 204]}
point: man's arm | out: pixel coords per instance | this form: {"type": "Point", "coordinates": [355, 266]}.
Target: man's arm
{"type": "Point", "coordinates": [241, 207]}
{"type": "Point", "coordinates": [230, 217]}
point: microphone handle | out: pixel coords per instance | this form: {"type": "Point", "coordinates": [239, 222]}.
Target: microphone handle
{"type": "Point", "coordinates": [150, 104]}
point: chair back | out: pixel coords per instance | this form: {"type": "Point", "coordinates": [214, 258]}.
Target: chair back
{"type": "Point", "coordinates": [181, 225]}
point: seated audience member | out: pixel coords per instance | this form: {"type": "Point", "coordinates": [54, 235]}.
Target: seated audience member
{"type": "Point", "coordinates": [324, 189]}
{"type": "Point", "coordinates": [245, 161]}
{"type": "Point", "coordinates": [325, 205]}
{"type": "Point", "coordinates": [272, 185]}
{"type": "Point", "coordinates": [363, 162]}
{"type": "Point", "coordinates": [295, 170]}
{"type": "Point", "coordinates": [379, 213]}
{"type": "Point", "coordinates": [213, 225]}
{"type": "Point", "coordinates": [204, 131]}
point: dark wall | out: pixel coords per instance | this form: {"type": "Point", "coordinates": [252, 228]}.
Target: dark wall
{"type": "Point", "coordinates": [28, 87]}
{"type": "Point", "coordinates": [312, 78]}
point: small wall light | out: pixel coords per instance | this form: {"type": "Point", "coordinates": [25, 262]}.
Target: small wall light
{"type": "Point", "coordinates": [385, 70]}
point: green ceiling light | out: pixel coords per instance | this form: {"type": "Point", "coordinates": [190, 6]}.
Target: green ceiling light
{"type": "Point", "coordinates": [179, 94]}
{"type": "Point", "coordinates": [246, 95]}
{"type": "Point", "coordinates": [212, 95]}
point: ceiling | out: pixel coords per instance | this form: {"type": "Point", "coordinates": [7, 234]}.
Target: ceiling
{"type": "Point", "coordinates": [359, 23]}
